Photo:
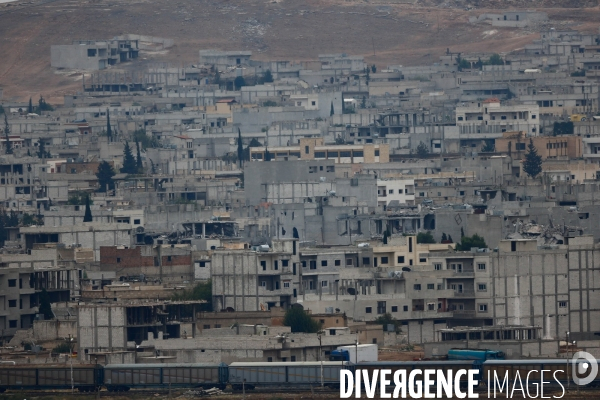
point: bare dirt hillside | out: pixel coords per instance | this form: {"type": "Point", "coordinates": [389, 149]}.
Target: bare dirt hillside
{"type": "Point", "coordinates": [406, 32]}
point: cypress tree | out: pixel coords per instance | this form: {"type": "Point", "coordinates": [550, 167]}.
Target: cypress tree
{"type": "Point", "coordinates": [30, 107]}
{"type": "Point", "coordinates": [88, 211]}
{"type": "Point", "coordinates": [139, 164]}
{"type": "Point", "coordinates": [240, 149]}
{"type": "Point", "coordinates": [108, 128]}
{"type": "Point", "coordinates": [129, 164]}
{"type": "Point", "coordinates": [331, 112]}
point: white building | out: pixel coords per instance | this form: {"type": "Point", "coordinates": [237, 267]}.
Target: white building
{"type": "Point", "coordinates": [489, 119]}
{"type": "Point", "coordinates": [402, 190]}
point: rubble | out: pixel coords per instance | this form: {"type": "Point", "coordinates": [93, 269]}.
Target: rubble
{"type": "Point", "coordinates": [202, 393]}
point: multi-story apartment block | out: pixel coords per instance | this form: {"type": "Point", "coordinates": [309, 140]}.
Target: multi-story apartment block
{"type": "Point", "coordinates": [488, 119]}
{"type": "Point", "coordinates": [23, 277]}
{"type": "Point", "coordinates": [400, 190]}
{"type": "Point", "coordinates": [315, 149]}
{"type": "Point", "coordinates": [258, 279]}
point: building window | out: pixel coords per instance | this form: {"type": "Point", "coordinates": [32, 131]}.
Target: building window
{"type": "Point", "coordinates": [391, 191]}
{"type": "Point", "coordinates": [366, 261]}
{"type": "Point", "coordinates": [217, 325]}
{"type": "Point", "coordinates": [323, 283]}
{"type": "Point", "coordinates": [384, 260]}
{"type": "Point", "coordinates": [400, 259]}
{"type": "Point", "coordinates": [286, 285]}
{"type": "Point", "coordinates": [368, 310]}
{"type": "Point", "coordinates": [394, 308]}
{"type": "Point", "coordinates": [276, 265]}
{"type": "Point", "coordinates": [118, 259]}
{"type": "Point", "coordinates": [323, 263]}
{"type": "Point", "coordinates": [417, 286]}
{"type": "Point", "coordinates": [562, 304]}
{"type": "Point", "coordinates": [405, 308]}
{"type": "Point", "coordinates": [12, 303]}
{"type": "Point", "coordinates": [12, 283]}
{"type": "Point", "coordinates": [12, 323]}
{"type": "Point", "coordinates": [481, 267]}
{"type": "Point", "coordinates": [313, 264]}
{"type": "Point", "coordinates": [349, 261]}
{"type": "Point", "coordinates": [381, 307]}
{"type": "Point", "coordinates": [431, 286]}
{"type": "Point", "coordinates": [285, 263]}
{"type": "Point", "coordinates": [306, 149]}
{"type": "Point", "coordinates": [338, 263]}
{"type": "Point", "coordinates": [136, 221]}
{"type": "Point", "coordinates": [430, 306]}
{"type": "Point", "coordinates": [263, 283]}
{"type": "Point", "coordinates": [293, 358]}
{"type": "Point", "coordinates": [422, 260]}
{"type": "Point", "coordinates": [263, 264]}
{"type": "Point", "coordinates": [439, 286]}
{"type": "Point", "coordinates": [437, 267]}
{"type": "Point", "coordinates": [269, 359]}
{"type": "Point", "coordinates": [483, 308]}
{"type": "Point", "coordinates": [376, 153]}
{"type": "Point", "coordinates": [482, 287]}
{"type": "Point", "coordinates": [303, 264]}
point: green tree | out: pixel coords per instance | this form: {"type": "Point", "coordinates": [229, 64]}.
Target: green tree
{"type": "Point", "coordinates": [300, 321]}
{"type": "Point", "coordinates": [331, 112]}
{"type": "Point", "coordinates": [363, 103]}
{"type": "Point", "coordinates": [444, 237]}
{"type": "Point", "coordinates": [240, 149]}
{"type": "Point", "coordinates": [387, 319]}
{"type": "Point", "coordinates": [217, 77]}
{"type": "Point", "coordinates": [108, 127]}
{"type": "Point", "coordinates": [425, 237]}
{"type": "Point", "coordinates": [422, 150]}
{"type": "Point", "coordinates": [532, 165]}
{"type": "Point", "coordinates": [147, 142]}
{"type": "Point", "coordinates": [489, 147]}
{"type": "Point", "coordinates": [45, 307]}
{"type": "Point", "coordinates": [373, 68]}
{"type": "Point", "coordinates": [105, 176]}
{"type": "Point", "coordinates": [87, 217]}
{"type": "Point", "coordinates": [468, 242]}
{"type": "Point", "coordinates": [450, 239]}
{"type": "Point", "coordinates": [268, 77]}
{"type": "Point", "coordinates": [239, 82]}
{"type": "Point", "coordinates": [138, 161]}
{"type": "Point", "coordinates": [78, 198]}
{"type": "Point", "coordinates": [41, 152]}
{"type": "Point", "coordinates": [386, 235]}
{"type": "Point", "coordinates": [462, 232]}
{"type": "Point", "coordinates": [43, 106]}
{"type": "Point", "coordinates": [462, 63]}
{"type": "Point", "coordinates": [253, 143]}
{"type": "Point", "coordinates": [495, 59]}
{"type": "Point", "coordinates": [30, 107]}
{"type": "Point", "coordinates": [152, 167]}
{"type": "Point", "coordinates": [129, 164]}
{"type": "Point", "coordinates": [201, 291]}
{"type": "Point", "coordinates": [8, 146]}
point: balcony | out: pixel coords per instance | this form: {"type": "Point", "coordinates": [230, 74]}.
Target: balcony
{"type": "Point", "coordinates": [463, 313]}
{"type": "Point", "coordinates": [465, 293]}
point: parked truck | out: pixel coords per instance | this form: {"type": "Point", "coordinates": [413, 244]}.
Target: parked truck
{"type": "Point", "coordinates": [366, 352]}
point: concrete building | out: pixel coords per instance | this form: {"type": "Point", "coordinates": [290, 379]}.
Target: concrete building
{"type": "Point", "coordinates": [22, 279]}
{"type": "Point", "coordinates": [400, 190]}
{"type": "Point", "coordinates": [113, 328]}
{"type": "Point", "coordinates": [515, 144]}
{"type": "Point", "coordinates": [254, 280]}
{"type": "Point", "coordinates": [489, 119]}
{"type": "Point", "coordinates": [224, 59]}
{"type": "Point", "coordinates": [315, 149]}
{"type": "Point", "coordinates": [93, 55]}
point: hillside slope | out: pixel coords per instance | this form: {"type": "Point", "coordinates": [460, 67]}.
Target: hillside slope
{"type": "Point", "coordinates": [385, 32]}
